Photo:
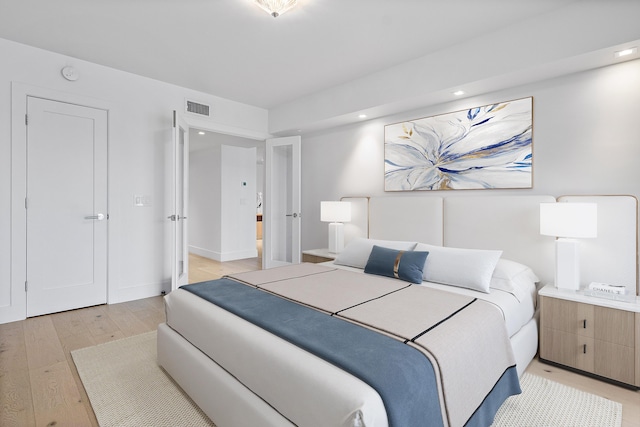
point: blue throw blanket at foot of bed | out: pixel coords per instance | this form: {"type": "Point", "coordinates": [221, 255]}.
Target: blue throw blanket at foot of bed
{"type": "Point", "coordinates": [402, 375]}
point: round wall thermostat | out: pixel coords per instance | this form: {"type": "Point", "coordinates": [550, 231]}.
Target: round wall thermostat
{"type": "Point", "coordinates": [70, 73]}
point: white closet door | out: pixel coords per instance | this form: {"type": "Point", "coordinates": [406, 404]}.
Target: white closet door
{"type": "Point", "coordinates": [66, 206]}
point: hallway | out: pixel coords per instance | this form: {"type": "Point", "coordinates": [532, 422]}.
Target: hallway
{"type": "Point", "coordinates": [202, 269]}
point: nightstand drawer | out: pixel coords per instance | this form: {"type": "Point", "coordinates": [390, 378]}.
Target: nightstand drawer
{"type": "Point", "coordinates": [567, 349]}
{"type": "Point", "coordinates": [614, 361]}
{"type": "Point", "coordinates": [614, 326]}
{"type": "Point", "coordinates": [572, 317]}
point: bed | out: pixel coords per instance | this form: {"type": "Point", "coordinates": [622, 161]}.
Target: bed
{"type": "Point", "coordinates": [243, 372]}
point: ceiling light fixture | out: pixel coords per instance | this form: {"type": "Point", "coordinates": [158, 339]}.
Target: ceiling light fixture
{"type": "Point", "coordinates": [625, 52]}
{"type": "Point", "coordinates": [200, 133]}
{"type": "Point", "coordinates": [458, 92]}
{"type": "Point", "coordinates": [276, 8]}
{"type": "Point", "coordinates": [362, 116]}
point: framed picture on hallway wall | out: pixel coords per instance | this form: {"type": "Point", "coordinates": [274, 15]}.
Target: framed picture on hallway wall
{"type": "Point", "coordinates": [479, 148]}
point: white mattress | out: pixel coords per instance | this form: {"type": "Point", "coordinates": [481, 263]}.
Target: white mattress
{"type": "Point", "coordinates": [516, 313]}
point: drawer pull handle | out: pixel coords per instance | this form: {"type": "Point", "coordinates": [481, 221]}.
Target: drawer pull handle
{"type": "Point", "coordinates": [584, 349]}
{"type": "Point", "coordinates": [584, 324]}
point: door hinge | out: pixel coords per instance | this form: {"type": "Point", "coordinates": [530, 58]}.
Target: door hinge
{"type": "Point", "coordinates": [26, 286]}
{"type": "Point", "coordinates": [26, 120]}
{"type": "Point", "coordinates": [26, 203]}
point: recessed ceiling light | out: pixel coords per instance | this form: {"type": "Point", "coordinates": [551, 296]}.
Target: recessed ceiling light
{"type": "Point", "coordinates": [362, 116]}
{"type": "Point", "coordinates": [458, 92]}
{"type": "Point", "coordinates": [200, 133]}
{"type": "Point", "coordinates": [626, 52]}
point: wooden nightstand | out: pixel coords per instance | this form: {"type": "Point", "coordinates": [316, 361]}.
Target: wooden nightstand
{"type": "Point", "coordinates": [591, 334]}
{"type": "Point", "coordinates": [318, 255]}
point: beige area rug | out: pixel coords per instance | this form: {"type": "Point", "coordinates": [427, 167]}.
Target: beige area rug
{"type": "Point", "coordinates": [551, 404]}
{"type": "Point", "coordinates": [127, 388]}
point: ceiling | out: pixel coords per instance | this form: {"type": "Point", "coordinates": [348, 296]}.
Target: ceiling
{"type": "Point", "coordinates": [234, 50]}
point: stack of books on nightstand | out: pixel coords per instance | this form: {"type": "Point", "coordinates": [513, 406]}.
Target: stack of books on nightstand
{"type": "Point", "coordinates": [607, 288]}
{"type": "Point", "coordinates": [607, 291]}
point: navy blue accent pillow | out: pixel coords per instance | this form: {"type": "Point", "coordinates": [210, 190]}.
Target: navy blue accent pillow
{"type": "Point", "coordinates": [403, 265]}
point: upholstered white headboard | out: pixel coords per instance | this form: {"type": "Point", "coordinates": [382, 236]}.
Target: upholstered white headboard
{"type": "Point", "coordinates": [507, 223]}
{"type": "Point", "coordinates": [407, 218]}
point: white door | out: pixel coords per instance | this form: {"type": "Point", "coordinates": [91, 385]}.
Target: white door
{"type": "Point", "coordinates": [281, 240]}
{"type": "Point", "coordinates": [66, 206]}
{"type": "Point", "coordinates": [180, 269]}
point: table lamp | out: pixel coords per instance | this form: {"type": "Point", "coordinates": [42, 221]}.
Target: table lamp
{"type": "Point", "coordinates": [335, 213]}
{"type": "Point", "coordinates": [567, 222]}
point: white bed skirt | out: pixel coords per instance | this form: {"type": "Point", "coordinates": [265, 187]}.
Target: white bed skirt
{"type": "Point", "coordinates": [312, 392]}
{"type": "Point", "coordinates": [225, 400]}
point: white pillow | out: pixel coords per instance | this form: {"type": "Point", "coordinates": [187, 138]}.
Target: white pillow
{"type": "Point", "coordinates": [356, 253]}
{"type": "Point", "coordinates": [515, 278]}
{"type": "Point", "coordinates": [465, 268]}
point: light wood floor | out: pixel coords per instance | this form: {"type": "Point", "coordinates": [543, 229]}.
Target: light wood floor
{"type": "Point", "coordinates": [39, 384]}
{"type": "Point", "coordinates": [202, 269]}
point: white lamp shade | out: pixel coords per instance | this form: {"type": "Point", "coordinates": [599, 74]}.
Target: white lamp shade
{"type": "Point", "coordinates": [573, 220]}
{"type": "Point", "coordinates": [335, 211]}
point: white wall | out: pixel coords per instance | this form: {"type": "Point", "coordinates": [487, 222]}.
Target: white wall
{"type": "Point", "coordinates": [238, 202]}
{"type": "Point", "coordinates": [204, 202]}
{"type": "Point", "coordinates": [586, 140]}
{"type": "Point", "coordinates": [139, 131]}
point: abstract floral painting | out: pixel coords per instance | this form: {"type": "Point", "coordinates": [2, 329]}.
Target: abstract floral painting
{"type": "Point", "coordinates": [479, 148]}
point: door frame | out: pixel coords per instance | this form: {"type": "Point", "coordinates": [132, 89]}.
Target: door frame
{"type": "Point", "coordinates": [295, 142]}
{"type": "Point", "coordinates": [180, 205]}
{"type": "Point", "coordinates": [17, 302]}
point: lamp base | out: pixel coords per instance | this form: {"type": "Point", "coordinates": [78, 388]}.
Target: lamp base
{"type": "Point", "coordinates": [567, 264]}
{"type": "Point", "coordinates": [336, 237]}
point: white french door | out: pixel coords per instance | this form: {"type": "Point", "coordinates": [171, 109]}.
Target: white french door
{"type": "Point", "coordinates": [282, 202]}
{"type": "Point", "coordinates": [66, 206]}
{"type": "Point", "coordinates": [180, 250]}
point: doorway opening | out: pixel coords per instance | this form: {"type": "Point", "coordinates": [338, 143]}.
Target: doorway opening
{"type": "Point", "coordinates": [226, 176]}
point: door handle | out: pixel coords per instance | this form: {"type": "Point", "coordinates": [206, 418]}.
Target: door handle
{"type": "Point", "coordinates": [295, 215]}
{"type": "Point", "coordinates": [176, 217]}
{"type": "Point", "coordinates": [99, 217]}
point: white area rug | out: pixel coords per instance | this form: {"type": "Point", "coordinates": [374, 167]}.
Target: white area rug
{"type": "Point", "coordinates": [127, 388]}
{"type": "Point", "coordinates": [548, 403]}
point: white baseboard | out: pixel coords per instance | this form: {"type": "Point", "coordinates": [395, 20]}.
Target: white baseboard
{"type": "Point", "coordinates": [223, 256]}
{"type": "Point", "coordinates": [231, 256]}
{"type": "Point", "coordinates": [207, 253]}
{"type": "Point", "coordinates": [138, 292]}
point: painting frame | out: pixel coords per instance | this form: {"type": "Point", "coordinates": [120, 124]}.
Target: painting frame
{"type": "Point", "coordinates": [485, 147]}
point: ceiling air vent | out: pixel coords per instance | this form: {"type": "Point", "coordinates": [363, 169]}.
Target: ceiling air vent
{"type": "Point", "coordinates": [197, 108]}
